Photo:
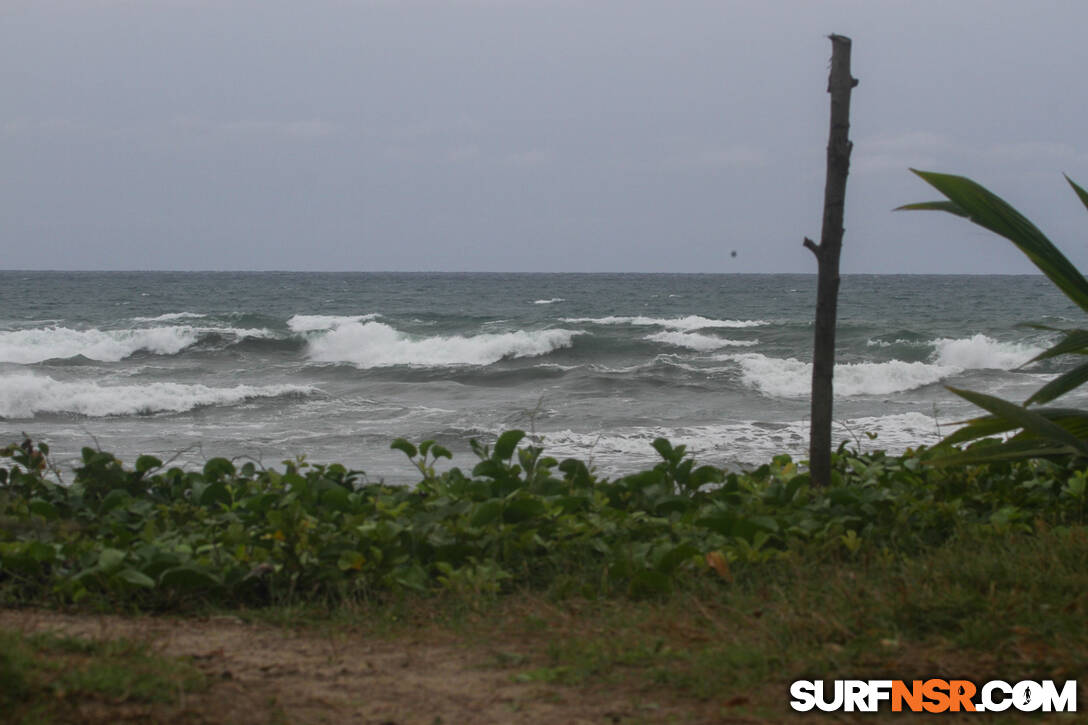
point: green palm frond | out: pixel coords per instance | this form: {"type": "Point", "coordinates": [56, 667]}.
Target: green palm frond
{"type": "Point", "coordinates": [990, 211]}
{"type": "Point", "coordinates": [1043, 432]}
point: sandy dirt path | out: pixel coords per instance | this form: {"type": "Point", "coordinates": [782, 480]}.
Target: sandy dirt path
{"type": "Point", "coordinates": [263, 674]}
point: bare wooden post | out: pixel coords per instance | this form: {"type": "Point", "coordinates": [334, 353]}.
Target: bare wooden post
{"type": "Point", "coordinates": [839, 85]}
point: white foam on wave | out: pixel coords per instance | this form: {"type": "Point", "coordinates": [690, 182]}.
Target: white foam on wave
{"type": "Point", "coordinates": [898, 341]}
{"type": "Point", "coordinates": [982, 352]}
{"type": "Point", "coordinates": [552, 301]}
{"type": "Point", "coordinates": [656, 363]}
{"type": "Point", "coordinates": [35, 345]}
{"type": "Point", "coordinates": [374, 344]}
{"type": "Point", "coordinates": [790, 377]}
{"type": "Point", "coordinates": [691, 322]}
{"type": "Point", "coordinates": [314, 323]}
{"type": "Point", "coordinates": [25, 395]}
{"type": "Point", "coordinates": [745, 443]}
{"type": "Point", "coordinates": [696, 341]}
{"type": "Point", "coordinates": [170, 316]}
{"type": "Point", "coordinates": [46, 343]}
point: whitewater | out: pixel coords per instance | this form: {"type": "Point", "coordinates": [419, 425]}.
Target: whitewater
{"type": "Point", "coordinates": [270, 366]}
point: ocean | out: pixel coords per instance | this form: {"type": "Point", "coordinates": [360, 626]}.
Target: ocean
{"type": "Point", "coordinates": [269, 366]}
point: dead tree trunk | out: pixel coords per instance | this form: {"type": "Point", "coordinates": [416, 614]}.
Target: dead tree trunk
{"type": "Point", "coordinates": [827, 253]}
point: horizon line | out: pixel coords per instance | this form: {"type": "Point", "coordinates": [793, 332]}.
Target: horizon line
{"type": "Point", "coordinates": [482, 272]}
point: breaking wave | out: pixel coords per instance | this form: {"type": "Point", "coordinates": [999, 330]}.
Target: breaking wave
{"type": "Point", "coordinates": [36, 345]}
{"type": "Point", "coordinates": [374, 344]}
{"type": "Point", "coordinates": [743, 443]}
{"type": "Point", "coordinates": [169, 316]}
{"type": "Point", "coordinates": [691, 322]}
{"type": "Point", "coordinates": [46, 343]}
{"type": "Point", "coordinates": [790, 377]}
{"type": "Point", "coordinates": [696, 341]}
{"type": "Point", "coordinates": [25, 395]}
{"type": "Point", "coordinates": [981, 352]}
{"type": "Point", "coordinates": [314, 323]}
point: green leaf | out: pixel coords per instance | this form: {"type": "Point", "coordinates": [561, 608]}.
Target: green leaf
{"type": "Point", "coordinates": [1081, 193]}
{"type": "Point", "coordinates": [1060, 385]}
{"type": "Point", "coordinates": [350, 560]}
{"type": "Point", "coordinates": [217, 467]}
{"type": "Point", "coordinates": [674, 557]}
{"type": "Point", "coordinates": [337, 498]}
{"type": "Point", "coordinates": [411, 576]}
{"type": "Point", "coordinates": [401, 444]}
{"type": "Point", "coordinates": [1074, 342]}
{"type": "Point", "coordinates": [671, 504]}
{"type": "Point", "coordinates": [110, 559]}
{"type": "Point", "coordinates": [136, 578]}
{"type": "Point", "coordinates": [188, 578]}
{"type": "Point", "coordinates": [41, 552]}
{"type": "Point", "coordinates": [1024, 418]}
{"type": "Point", "coordinates": [115, 498]}
{"type": "Point", "coordinates": [991, 212]}
{"type": "Point", "coordinates": [146, 463]}
{"type": "Point", "coordinates": [1072, 419]}
{"type": "Point", "coordinates": [215, 493]}
{"type": "Point", "coordinates": [507, 442]}
{"type": "Point", "coordinates": [704, 475]}
{"type": "Point", "coordinates": [485, 514]}
{"type": "Point", "coordinates": [1007, 451]}
{"type": "Point", "coordinates": [947, 206]}
{"type": "Point", "coordinates": [522, 509]}
{"type": "Point", "coordinates": [43, 508]}
{"type": "Point", "coordinates": [489, 468]}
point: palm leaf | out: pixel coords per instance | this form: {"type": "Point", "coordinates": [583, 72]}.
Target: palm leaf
{"type": "Point", "coordinates": [1081, 193]}
{"type": "Point", "coordinates": [1074, 342]}
{"type": "Point", "coordinates": [947, 206]}
{"type": "Point", "coordinates": [1029, 420]}
{"type": "Point", "coordinates": [1060, 385]}
{"type": "Point", "coordinates": [991, 212]}
{"type": "Point", "coordinates": [1008, 451]}
{"type": "Point", "coordinates": [1073, 420]}
{"type": "Point", "coordinates": [984, 427]}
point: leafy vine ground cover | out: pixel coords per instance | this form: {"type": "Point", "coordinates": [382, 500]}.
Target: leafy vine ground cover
{"type": "Point", "coordinates": [787, 578]}
{"type": "Point", "coordinates": [155, 539]}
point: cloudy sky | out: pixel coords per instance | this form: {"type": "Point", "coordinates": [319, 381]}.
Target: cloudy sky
{"type": "Point", "coordinates": [525, 135]}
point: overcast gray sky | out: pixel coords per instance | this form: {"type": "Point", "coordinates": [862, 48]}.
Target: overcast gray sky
{"type": "Point", "coordinates": [525, 135]}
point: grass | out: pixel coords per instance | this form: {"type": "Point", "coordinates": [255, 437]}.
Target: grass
{"type": "Point", "coordinates": [46, 678]}
{"type": "Point", "coordinates": [981, 606]}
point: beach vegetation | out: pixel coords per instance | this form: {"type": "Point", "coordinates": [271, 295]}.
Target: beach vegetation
{"type": "Point", "coordinates": [688, 588]}
{"type": "Point", "coordinates": [151, 539]}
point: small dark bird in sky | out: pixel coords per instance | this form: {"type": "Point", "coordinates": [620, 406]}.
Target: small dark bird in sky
{"type": "Point", "coordinates": [733, 253]}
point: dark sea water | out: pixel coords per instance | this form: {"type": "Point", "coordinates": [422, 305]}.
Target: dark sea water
{"type": "Point", "coordinates": [334, 366]}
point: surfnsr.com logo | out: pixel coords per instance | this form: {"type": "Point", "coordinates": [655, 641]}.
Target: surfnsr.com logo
{"type": "Point", "coordinates": [933, 696]}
